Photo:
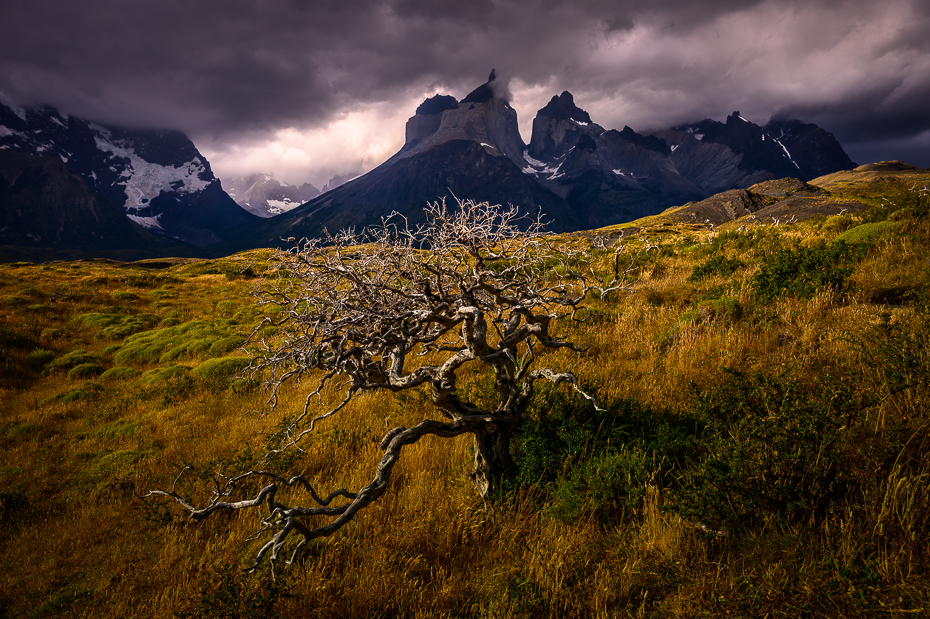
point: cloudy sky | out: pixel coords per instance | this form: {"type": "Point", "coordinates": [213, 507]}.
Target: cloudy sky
{"type": "Point", "coordinates": [307, 89]}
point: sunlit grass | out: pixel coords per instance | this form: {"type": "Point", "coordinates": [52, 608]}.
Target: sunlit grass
{"type": "Point", "coordinates": [76, 452]}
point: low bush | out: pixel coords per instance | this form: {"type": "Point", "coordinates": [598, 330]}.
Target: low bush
{"type": "Point", "coordinates": [85, 370]}
{"type": "Point", "coordinates": [769, 447]}
{"type": "Point", "coordinates": [217, 373]}
{"type": "Point", "coordinates": [120, 373]}
{"type": "Point", "coordinates": [870, 232]}
{"type": "Point", "coordinates": [39, 358]}
{"type": "Point", "coordinates": [715, 266]}
{"type": "Point", "coordinates": [183, 341]}
{"type": "Point", "coordinates": [597, 462]}
{"type": "Point", "coordinates": [804, 271]}
{"type": "Point", "coordinates": [73, 359]}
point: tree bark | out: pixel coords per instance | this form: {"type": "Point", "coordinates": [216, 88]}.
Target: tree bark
{"type": "Point", "coordinates": [492, 456]}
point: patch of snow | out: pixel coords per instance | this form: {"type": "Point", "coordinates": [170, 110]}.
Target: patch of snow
{"type": "Point", "coordinates": [689, 129]}
{"type": "Point", "coordinates": [698, 136]}
{"type": "Point", "coordinates": [40, 149]}
{"type": "Point", "coordinates": [536, 163]}
{"type": "Point", "coordinates": [63, 159]}
{"type": "Point", "coordinates": [488, 145]}
{"type": "Point", "coordinates": [675, 147]}
{"type": "Point", "coordinates": [578, 122]}
{"type": "Point", "coordinates": [787, 154]}
{"type": "Point", "coordinates": [741, 118]}
{"type": "Point", "coordinates": [150, 223]}
{"type": "Point", "coordinates": [277, 207]}
{"type": "Point", "coordinates": [55, 120]}
{"type": "Point", "coordinates": [619, 172]}
{"type": "Point", "coordinates": [144, 180]}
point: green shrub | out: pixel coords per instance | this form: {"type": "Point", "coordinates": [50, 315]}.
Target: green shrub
{"type": "Point", "coordinates": [73, 359]}
{"type": "Point", "coordinates": [804, 271]}
{"type": "Point", "coordinates": [120, 373]}
{"type": "Point", "coordinates": [590, 461]}
{"type": "Point", "coordinates": [870, 232]}
{"type": "Point", "coordinates": [226, 345]}
{"type": "Point", "coordinates": [715, 266]}
{"type": "Point", "coordinates": [770, 447]}
{"type": "Point", "coordinates": [39, 358]}
{"type": "Point", "coordinates": [160, 375]}
{"type": "Point", "coordinates": [173, 343]}
{"type": "Point", "coordinates": [220, 371]}
{"type": "Point", "coordinates": [116, 326]}
{"type": "Point", "coordinates": [85, 370]}
{"type": "Point", "coordinates": [87, 391]}
{"type": "Point", "coordinates": [724, 309]}
{"type": "Point", "coordinates": [120, 428]}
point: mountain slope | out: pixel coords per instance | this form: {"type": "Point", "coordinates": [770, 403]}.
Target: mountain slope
{"type": "Point", "coordinates": [158, 178]}
{"type": "Point", "coordinates": [719, 156]}
{"type": "Point", "coordinates": [43, 204]}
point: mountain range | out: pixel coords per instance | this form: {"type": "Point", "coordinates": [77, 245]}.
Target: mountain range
{"type": "Point", "coordinates": [158, 179]}
{"type": "Point", "coordinates": [577, 173]}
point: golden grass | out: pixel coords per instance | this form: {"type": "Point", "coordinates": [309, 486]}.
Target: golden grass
{"type": "Point", "coordinates": [76, 540]}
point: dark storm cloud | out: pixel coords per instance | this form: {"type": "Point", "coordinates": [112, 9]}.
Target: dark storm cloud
{"type": "Point", "coordinates": [242, 69]}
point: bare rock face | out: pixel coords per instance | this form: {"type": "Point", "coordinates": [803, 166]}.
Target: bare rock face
{"type": "Point", "coordinates": [43, 204]}
{"type": "Point", "coordinates": [480, 117]}
{"type": "Point", "coordinates": [159, 178]}
{"type": "Point", "coordinates": [719, 156]}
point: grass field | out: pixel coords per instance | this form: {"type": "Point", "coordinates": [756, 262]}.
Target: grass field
{"type": "Point", "coordinates": [762, 453]}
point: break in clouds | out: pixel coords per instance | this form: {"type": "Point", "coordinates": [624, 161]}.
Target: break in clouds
{"type": "Point", "coordinates": [312, 89]}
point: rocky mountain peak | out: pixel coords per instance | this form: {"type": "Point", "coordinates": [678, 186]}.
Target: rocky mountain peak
{"type": "Point", "coordinates": [483, 117]}
{"type": "Point", "coordinates": [437, 104]}
{"type": "Point", "coordinates": [562, 107]}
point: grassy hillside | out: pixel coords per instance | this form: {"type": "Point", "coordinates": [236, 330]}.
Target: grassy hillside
{"type": "Point", "coordinates": [763, 451]}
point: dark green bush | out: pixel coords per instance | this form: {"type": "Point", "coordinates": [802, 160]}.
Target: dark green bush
{"type": "Point", "coordinates": [770, 447]}
{"type": "Point", "coordinates": [804, 271]}
{"type": "Point", "coordinates": [73, 359]}
{"type": "Point", "coordinates": [120, 373]}
{"type": "Point", "coordinates": [11, 338]}
{"type": "Point", "coordinates": [85, 370]}
{"type": "Point", "coordinates": [715, 266]}
{"type": "Point", "coordinates": [40, 357]}
{"type": "Point", "coordinates": [228, 594]}
{"type": "Point", "coordinates": [590, 461]}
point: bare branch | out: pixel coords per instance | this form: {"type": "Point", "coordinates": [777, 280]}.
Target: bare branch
{"type": "Point", "coordinates": [396, 308]}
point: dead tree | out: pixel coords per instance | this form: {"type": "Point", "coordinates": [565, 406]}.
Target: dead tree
{"type": "Point", "coordinates": [400, 308]}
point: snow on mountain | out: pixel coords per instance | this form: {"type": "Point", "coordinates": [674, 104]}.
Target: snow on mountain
{"type": "Point", "coordinates": [264, 196]}
{"type": "Point", "coordinates": [158, 178]}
